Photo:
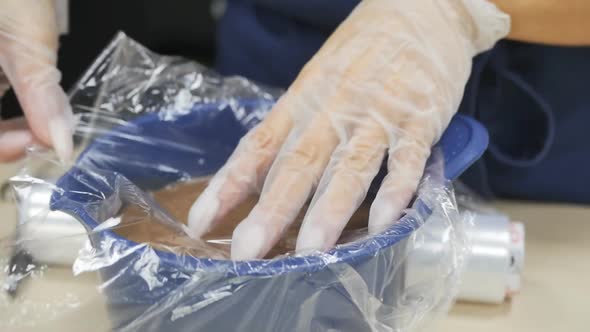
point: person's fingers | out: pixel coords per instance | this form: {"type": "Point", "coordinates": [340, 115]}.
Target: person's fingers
{"type": "Point", "coordinates": [289, 183]}
{"type": "Point", "coordinates": [342, 188]}
{"type": "Point", "coordinates": [28, 53]}
{"type": "Point", "coordinates": [19, 123]}
{"type": "Point", "coordinates": [246, 170]}
{"type": "Point", "coordinates": [243, 174]}
{"type": "Point", "coordinates": [13, 143]}
{"type": "Point", "coordinates": [405, 168]}
{"type": "Point", "coordinates": [45, 104]}
{"type": "Point", "coordinates": [14, 137]}
{"type": "Point", "coordinates": [4, 84]}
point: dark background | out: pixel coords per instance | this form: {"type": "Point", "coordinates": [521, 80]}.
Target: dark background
{"type": "Point", "coordinates": [180, 27]}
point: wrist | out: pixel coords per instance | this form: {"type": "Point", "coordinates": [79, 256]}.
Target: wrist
{"type": "Point", "coordinates": [483, 22]}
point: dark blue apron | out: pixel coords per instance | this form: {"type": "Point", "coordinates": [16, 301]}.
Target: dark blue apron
{"type": "Point", "coordinates": [534, 99]}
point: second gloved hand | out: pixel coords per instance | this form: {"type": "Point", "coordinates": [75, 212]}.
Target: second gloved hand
{"type": "Point", "coordinates": [28, 56]}
{"type": "Point", "coordinates": [388, 80]}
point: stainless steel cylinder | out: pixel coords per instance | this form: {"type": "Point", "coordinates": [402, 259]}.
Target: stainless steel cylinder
{"type": "Point", "coordinates": [50, 237]}
{"type": "Point", "coordinates": [493, 266]}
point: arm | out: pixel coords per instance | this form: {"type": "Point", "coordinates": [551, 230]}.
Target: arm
{"type": "Point", "coordinates": [550, 22]}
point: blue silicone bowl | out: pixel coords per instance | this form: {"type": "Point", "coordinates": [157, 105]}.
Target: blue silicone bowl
{"type": "Point", "coordinates": [150, 290]}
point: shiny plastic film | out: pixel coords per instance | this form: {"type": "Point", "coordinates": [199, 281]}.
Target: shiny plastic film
{"type": "Point", "coordinates": [102, 243]}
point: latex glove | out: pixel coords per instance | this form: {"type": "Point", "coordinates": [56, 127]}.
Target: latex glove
{"type": "Point", "coordinates": [28, 55]}
{"type": "Point", "coordinates": [388, 80]}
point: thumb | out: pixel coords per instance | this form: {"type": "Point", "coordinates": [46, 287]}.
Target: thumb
{"type": "Point", "coordinates": [48, 111]}
{"type": "Point", "coordinates": [28, 53]}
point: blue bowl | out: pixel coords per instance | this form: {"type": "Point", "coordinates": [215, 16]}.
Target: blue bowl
{"type": "Point", "coordinates": [148, 289]}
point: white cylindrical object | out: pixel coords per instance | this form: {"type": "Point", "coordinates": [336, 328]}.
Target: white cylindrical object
{"type": "Point", "coordinates": [493, 266]}
{"type": "Point", "coordinates": [517, 252]}
{"type": "Point", "coordinates": [51, 237]}
{"type": "Point", "coordinates": [486, 275]}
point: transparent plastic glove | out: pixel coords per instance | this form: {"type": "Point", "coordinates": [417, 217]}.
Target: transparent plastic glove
{"type": "Point", "coordinates": [28, 54]}
{"type": "Point", "coordinates": [387, 82]}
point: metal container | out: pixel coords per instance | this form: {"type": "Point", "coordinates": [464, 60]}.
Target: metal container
{"type": "Point", "coordinates": [494, 264]}
{"type": "Point", "coordinates": [50, 237]}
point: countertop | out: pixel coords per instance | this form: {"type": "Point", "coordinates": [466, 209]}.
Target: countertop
{"type": "Point", "coordinates": [555, 290]}
{"type": "Point", "coordinates": [554, 296]}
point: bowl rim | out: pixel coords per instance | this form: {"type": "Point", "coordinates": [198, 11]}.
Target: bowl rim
{"type": "Point", "coordinates": [349, 253]}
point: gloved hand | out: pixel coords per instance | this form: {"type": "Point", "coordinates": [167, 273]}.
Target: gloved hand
{"type": "Point", "coordinates": [28, 55]}
{"type": "Point", "coordinates": [388, 80]}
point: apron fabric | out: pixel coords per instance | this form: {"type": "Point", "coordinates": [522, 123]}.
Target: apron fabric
{"type": "Point", "coordinates": [533, 99]}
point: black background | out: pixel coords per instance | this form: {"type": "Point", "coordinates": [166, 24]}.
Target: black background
{"type": "Point", "coordinates": [181, 27]}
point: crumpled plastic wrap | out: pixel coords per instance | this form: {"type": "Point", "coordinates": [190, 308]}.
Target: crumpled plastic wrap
{"type": "Point", "coordinates": [146, 122]}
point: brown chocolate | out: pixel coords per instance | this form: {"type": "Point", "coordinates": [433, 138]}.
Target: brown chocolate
{"type": "Point", "coordinates": [139, 225]}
